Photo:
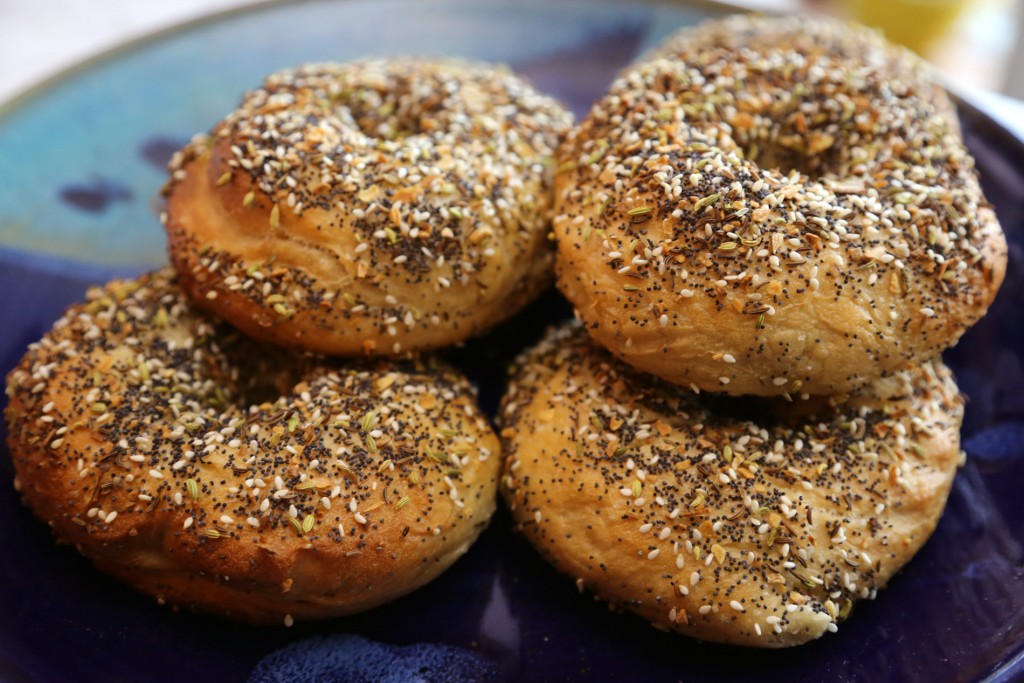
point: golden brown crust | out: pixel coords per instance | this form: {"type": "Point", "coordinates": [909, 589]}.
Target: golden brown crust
{"type": "Point", "coordinates": [691, 255]}
{"type": "Point", "coordinates": [218, 473]}
{"type": "Point", "coordinates": [755, 523]}
{"type": "Point", "coordinates": [370, 207]}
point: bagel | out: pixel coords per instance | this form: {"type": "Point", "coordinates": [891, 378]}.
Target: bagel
{"type": "Point", "coordinates": [373, 207]}
{"type": "Point", "coordinates": [748, 521]}
{"type": "Point", "coordinates": [756, 215]}
{"type": "Point", "coordinates": [221, 474]}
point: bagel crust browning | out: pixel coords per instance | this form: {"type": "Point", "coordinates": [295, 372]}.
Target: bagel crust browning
{"type": "Point", "coordinates": [370, 207]}
{"type": "Point", "coordinates": [760, 530]}
{"type": "Point", "coordinates": [754, 215]}
{"type": "Point", "coordinates": [218, 473]}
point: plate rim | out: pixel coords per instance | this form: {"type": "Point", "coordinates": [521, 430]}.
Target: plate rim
{"type": "Point", "coordinates": [40, 88]}
{"type": "Point", "coordinates": [26, 94]}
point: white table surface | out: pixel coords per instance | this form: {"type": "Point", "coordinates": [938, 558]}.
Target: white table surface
{"type": "Point", "coordinates": [40, 38]}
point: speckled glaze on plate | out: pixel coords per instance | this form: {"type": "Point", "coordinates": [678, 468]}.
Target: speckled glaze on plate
{"type": "Point", "coordinates": [81, 163]}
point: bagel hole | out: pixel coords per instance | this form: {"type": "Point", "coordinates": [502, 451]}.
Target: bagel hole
{"type": "Point", "coordinates": [768, 411]}
{"type": "Point", "coordinates": [392, 113]}
{"type": "Point", "coordinates": [249, 373]}
{"type": "Point", "coordinates": [793, 152]}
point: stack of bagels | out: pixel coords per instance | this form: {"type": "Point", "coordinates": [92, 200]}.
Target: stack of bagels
{"type": "Point", "coordinates": [769, 228]}
{"type": "Point", "coordinates": [374, 210]}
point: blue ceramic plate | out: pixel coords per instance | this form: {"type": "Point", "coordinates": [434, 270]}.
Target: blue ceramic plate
{"type": "Point", "coordinates": [81, 163]}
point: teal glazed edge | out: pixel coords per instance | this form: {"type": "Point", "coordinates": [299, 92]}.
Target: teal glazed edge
{"type": "Point", "coordinates": [124, 49]}
{"type": "Point", "coordinates": [84, 151]}
{"type": "Point", "coordinates": [120, 50]}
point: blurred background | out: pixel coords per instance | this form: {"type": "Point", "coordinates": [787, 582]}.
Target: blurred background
{"type": "Point", "coordinates": [976, 43]}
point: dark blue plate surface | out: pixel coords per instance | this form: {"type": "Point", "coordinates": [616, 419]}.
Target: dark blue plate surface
{"type": "Point", "coordinates": [81, 162]}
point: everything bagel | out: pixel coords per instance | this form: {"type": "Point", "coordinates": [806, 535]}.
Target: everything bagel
{"type": "Point", "coordinates": [221, 474]}
{"type": "Point", "coordinates": [373, 207]}
{"type": "Point", "coordinates": [757, 523]}
{"type": "Point", "coordinates": [749, 214]}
